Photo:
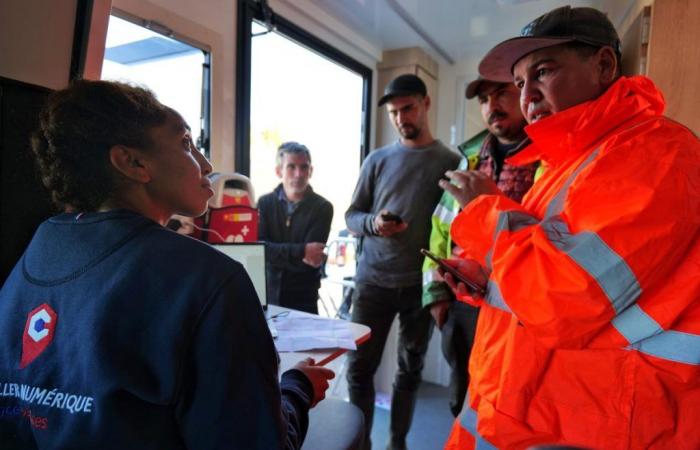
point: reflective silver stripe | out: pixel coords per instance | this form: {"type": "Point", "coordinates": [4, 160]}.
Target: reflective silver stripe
{"type": "Point", "coordinates": [489, 258]}
{"type": "Point", "coordinates": [445, 214]}
{"type": "Point", "coordinates": [672, 345]}
{"type": "Point", "coordinates": [634, 324]}
{"type": "Point", "coordinates": [588, 250]}
{"type": "Point", "coordinates": [556, 205]}
{"type": "Point", "coordinates": [467, 419]}
{"type": "Point", "coordinates": [511, 221]}
{"type": "Point", "coordinates": [646, 335]}
{"type": "Point", "coordinates": [430, 276]}
{"type": "Point", "coordinates": [494, 297]}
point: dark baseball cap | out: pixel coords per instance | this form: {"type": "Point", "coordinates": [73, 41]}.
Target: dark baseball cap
{"type": "Point", "coordinates": [559, 26]}
{"type": "Point", "coordinates": [475, 86]}
{"type": "Point", "coordinates": [406, 84]}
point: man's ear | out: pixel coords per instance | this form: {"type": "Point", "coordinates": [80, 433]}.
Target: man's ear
{"type": "Point", "coordinates": [608, 65]}
{"type": "Point", "coordinates": [426, 101]}
{"type": "Point", "coordinates": [126, 161]}
{"type": "Point", "coordinates": [278, 170]}
{"type": "Point", "coordinates": [311, 170]}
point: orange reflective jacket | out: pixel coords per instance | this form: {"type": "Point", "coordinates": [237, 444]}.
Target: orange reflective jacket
{"type": "Point", "coordinates": [590, 332]}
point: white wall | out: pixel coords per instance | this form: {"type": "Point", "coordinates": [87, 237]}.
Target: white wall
{"type": "Point", "coordinates": [36, 40]}
{"type": "Point", "coordinates": [452, 107]}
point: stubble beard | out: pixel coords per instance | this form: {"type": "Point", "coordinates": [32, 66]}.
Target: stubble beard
{"type": "Point", "coordinates": [511, 133]}
{"type": "Point", "coordinates": [409, 132]}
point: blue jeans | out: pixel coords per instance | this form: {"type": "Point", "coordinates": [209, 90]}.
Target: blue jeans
{"type": "Point", "coordinates": [376, 307]}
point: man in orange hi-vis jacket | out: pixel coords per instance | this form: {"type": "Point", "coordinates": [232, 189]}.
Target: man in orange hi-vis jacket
{"type": "Point", "coordinates": [589, 333]}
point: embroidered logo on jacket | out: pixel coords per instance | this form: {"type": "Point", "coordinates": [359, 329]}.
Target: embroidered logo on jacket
{"type": "Point", "coordinates": [38, 333]}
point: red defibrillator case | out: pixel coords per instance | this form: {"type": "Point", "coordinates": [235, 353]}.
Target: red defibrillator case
{"type": "Point", "coordinates": [232, 215]}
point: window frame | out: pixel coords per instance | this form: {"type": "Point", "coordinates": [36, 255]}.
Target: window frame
{"type": "Point", "coordinates": [249, 10]}
{"type": "Point", "coordinates": [204, 141]}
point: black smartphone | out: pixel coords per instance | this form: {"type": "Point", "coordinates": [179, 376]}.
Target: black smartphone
{"type": "Point", "coordinates": [391, 218]}
{"type": "Point", "coordinates": [475, 288]}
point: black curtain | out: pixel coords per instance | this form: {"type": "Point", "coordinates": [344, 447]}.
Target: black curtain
{"type": "Point", "coordinates": [24, 202]}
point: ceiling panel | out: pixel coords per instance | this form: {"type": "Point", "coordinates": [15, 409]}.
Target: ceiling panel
{"type": "Point", "coordinates": [462, 28]}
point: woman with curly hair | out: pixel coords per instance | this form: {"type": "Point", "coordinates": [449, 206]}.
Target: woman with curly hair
{"type": "Point", "coordinates": [116, 332]}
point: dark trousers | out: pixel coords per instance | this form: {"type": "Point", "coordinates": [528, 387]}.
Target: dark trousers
{"type": "Point", "coordinates": [376, 307]}
{"type": "Point", "coordinates": [306, 301]}
{"type": "Point", "coordinates": [457, 341]}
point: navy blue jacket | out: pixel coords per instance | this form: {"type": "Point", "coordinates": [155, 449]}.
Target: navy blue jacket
{"type": "Point", "coordinates": [134, 337]}
{"type": "Point", "coordinates": [285, 239]}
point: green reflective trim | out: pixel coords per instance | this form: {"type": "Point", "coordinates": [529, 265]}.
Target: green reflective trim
{"type": "Point", "coordinates": [444, 215]}
{"type": "Point", "coordinates": [432, 276]}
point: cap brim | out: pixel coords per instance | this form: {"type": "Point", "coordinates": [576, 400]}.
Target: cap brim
{"type": "Point", "coordinates": [386, 97]}
{"type": "Point", "coordinates": [473, 88]}
{"type": "Point", "coordinates": [498, 63]}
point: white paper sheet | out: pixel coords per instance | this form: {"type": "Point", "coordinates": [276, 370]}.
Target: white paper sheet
{"type": "Point", "coordinates": [298, 332]}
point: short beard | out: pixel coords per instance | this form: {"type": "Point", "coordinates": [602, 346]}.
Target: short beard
{"type": "Point", "coordinates": [409, 133]}
{"type": "Point", "coordinates": [513, 133]}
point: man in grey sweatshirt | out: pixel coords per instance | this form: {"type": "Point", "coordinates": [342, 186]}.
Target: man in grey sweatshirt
{"type": "Point", "coordinates": [391, 209]}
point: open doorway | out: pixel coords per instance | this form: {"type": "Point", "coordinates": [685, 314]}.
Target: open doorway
{"type": "Point", "coordinates": [291, 86]}
{"type": "Point", "coordinates": [300, 95]}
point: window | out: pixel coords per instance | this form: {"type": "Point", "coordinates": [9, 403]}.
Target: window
{"type": "Point", "coordinates": [174, 68]}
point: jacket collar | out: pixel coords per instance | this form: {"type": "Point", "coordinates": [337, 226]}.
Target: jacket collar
{"type": "Point", "coordinates": [568, 133]}
{"type": "Point", "coordinates": [281, 196]}
{"type": "Point", "coordinates": [488, 146]}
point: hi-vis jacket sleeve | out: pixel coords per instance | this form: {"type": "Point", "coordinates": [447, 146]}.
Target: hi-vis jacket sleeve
{"type": "Point", "coordinates": [586, 247]}
{"type": "Point", "coordinates": [434, 287]}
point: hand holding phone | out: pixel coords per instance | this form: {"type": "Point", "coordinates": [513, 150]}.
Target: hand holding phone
{"type": "Point", "coordinates": [387, 224]}
{"type": "Point", "coordinates": [390, 217]}
{"type": "Point", "coordinates": [459, 276]}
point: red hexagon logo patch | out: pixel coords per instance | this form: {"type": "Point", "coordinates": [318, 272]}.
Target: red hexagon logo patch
{"type": "Point", "coordinates": [38, 333]}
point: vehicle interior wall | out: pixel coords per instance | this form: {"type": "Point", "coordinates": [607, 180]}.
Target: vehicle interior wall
{"type": "Point", "coordinates": [36, 40]}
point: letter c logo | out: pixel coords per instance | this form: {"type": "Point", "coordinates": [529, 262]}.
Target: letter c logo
{"type": "Point", "coordinates": [37, 325]}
